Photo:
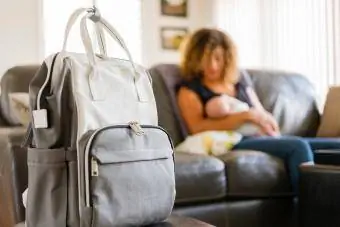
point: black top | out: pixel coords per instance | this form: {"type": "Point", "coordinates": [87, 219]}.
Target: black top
{"type": "Point", "coordinates": [205, 94]}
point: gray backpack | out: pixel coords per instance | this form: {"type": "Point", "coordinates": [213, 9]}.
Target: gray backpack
{"type": "Point", "coordinates": [96, 157]}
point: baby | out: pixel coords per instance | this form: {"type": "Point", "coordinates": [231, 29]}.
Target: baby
{"type": "Point", "coordinates": [223, 105]}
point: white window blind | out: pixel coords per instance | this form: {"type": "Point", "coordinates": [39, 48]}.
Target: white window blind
{"type": "Point", "coordinates": [294, 35]}
{"type": "Point", "coordinates": [125, 16]}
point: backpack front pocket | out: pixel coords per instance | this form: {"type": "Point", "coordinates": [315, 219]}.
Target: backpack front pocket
{"type": "Point", "coordinates": [129, 176]}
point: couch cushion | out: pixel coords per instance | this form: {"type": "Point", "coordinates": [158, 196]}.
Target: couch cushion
{"type": "Point", "coordinates": [291, 98]}
{"type": "Point", "coordinates": [164, 78]}
{"type": "Point", "coordinates": [254, 174]}
{"type": "Point", "coordinates": [199, 178]}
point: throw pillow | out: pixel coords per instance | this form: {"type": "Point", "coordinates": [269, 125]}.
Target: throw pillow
{"type": "Point", "coordinates": [209, 143]}
{"type": "Point", "coordinates": [19, 103]}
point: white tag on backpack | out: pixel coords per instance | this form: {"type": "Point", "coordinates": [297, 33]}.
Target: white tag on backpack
{"type": "Point", "coordinates": [40, 118]}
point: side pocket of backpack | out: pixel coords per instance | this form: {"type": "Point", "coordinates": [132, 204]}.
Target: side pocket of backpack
{"type": "Point", "coordinates": [47, 188]}
{"type": "Point", "coordinates": [73, 219]}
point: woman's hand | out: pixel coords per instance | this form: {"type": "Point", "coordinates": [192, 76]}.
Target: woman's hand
{"type": "Point", "coordinates": [261, 117]}
{"type": "Point", "coordinates": [265, 121]}
{"type": "Point", "coordinates": [272, 122]}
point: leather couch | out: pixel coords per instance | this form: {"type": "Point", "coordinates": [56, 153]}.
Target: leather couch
{"type": "Point", "coordinates": [243, 188]}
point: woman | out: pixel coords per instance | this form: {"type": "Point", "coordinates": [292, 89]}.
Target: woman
{"type": "Point", "coordinates": [209, 68]}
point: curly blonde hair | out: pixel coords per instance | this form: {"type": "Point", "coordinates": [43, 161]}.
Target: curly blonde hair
{"type": "Point", "coordinates": [206, 40]}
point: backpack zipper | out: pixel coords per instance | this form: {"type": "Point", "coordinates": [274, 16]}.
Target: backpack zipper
{"type": "Point", "coordinates": [135, 126]}
{"type": "Point", "coordinates": [94, 168]}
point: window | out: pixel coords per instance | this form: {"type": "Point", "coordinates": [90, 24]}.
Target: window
{"type": "Point", "coordinates": [301, 36]}
{"type": "Point", "coordinates": [125, 16]}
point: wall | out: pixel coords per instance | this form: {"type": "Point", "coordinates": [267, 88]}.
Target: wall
{"type": "Point", "coordinates": [21, 30]}
{"type": "Point", "coordinates": [199, 15]}
{"type": "Point", "coordinates": [19, 39]}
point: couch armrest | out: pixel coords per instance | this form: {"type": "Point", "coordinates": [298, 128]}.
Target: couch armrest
{"type": "Point", "coordinates": [255, 174]}
{"type": "Point", "coordinates": [327, 157]}
{"type": "Point", "coordinates": [13, 175]}
{"type": "Point", "coordinates": [319, 196]}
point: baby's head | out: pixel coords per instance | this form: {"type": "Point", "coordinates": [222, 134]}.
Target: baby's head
{"type": "Point", "coordinates": [217, 107]}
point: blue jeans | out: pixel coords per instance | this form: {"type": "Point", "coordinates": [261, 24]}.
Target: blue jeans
{"type": "Point", "coordinates": [293, 150]}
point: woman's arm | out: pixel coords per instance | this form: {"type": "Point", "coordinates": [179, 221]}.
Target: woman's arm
{"type": "Point", "coordinates": [269, 119]}
{"type": "Point", "coordinates": [192, 111]}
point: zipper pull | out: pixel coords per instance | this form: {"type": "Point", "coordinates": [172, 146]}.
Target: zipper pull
{"type": "Point", "coordinates": [94, 167]}
{"type": "Point", "coordinates": [135, 126]}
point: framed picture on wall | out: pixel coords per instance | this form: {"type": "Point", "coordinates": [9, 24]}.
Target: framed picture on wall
{"type": "Point", "coordinates": [176, 8]}
{"type": "Point", "coordinates": [172, 37]}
